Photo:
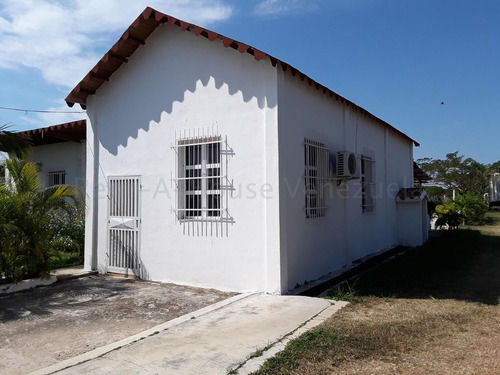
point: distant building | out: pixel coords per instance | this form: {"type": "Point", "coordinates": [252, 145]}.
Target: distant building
{"type": "Point", "coordinates": [59, 153]}
{"type": "Point", "coordinates": [494, 190]}
{"type": "Point", "coordinates": [419, 176]}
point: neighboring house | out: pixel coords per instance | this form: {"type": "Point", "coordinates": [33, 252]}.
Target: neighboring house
{"type": "Point", "coordinates": [59, 152]}
{"type": "Point", "coordinates": [211, 163]}
{"type": "Point", "coordinates": [419, 176]}
{"type": "Point", "coordinates": [493, 196]}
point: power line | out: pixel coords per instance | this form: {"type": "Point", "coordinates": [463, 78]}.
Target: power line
{"type": "Point", "coordinates": [37, 111]}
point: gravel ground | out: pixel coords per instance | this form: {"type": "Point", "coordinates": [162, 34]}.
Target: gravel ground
{"type": "Point", "coordinates": [49, 324]}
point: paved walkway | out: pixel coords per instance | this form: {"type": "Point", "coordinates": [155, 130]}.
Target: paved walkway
{"type": "Point", "coordinates": [213, 340]}
{"type": "Point", "coordinates": [71, 272]}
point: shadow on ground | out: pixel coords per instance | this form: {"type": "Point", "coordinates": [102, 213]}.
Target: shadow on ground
{"type": "Point", "coordinates": [461, 264]}
{"type": "Point", "coordinates": [43, 301]}
{"type": "Point", "coordinates": [49, 324]}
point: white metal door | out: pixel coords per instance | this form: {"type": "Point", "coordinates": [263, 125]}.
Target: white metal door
{"type": "Point", "coordinates": [124, 224]}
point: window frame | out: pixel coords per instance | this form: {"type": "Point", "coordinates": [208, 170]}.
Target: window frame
{"type": "Point", "coordinates": [316, 173]}
{"type": "Point", "coordinates": [56, 178]}
{"type": "Point", "coordinates": [367, 183]}
{"type": "Point", "coordinates": [198, 161]}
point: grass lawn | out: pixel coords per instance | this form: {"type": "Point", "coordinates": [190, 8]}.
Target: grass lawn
{"type": "Point", "coordinates": [435, 309]}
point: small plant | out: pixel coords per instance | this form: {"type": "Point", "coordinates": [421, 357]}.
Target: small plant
{"type": "Point", "coordinates": [257, 353]}
{"type": "Point", "coordinates": [345, 292]}
{"type": "Point", "coordinates": [448, 216]}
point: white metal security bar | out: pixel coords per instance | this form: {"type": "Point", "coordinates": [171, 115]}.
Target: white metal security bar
{"type": "Point", "coordinates": [201, 182]}
{"type": "Point", "coordinates": [123, 224]}
{"type": "Point", "coordinates": [367, 184]}
{"type": "Point", "coordinates": [57, 177]}
{"type": "Point", "coordinates": [316, 175]}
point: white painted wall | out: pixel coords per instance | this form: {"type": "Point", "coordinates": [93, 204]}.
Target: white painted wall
{"type": "Point", "coordinates": [317, 246]}
{"type": "Point", "coordinates": [67, 156]}
{"type": "Point", "coordinates": [494, 192]}
{"type": "Point", "coordinates": [413, 221]}
{"type": "Point", "coordinates": [178, 82]}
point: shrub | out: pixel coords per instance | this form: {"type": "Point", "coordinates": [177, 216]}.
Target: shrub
{"type": "Point", "coordinates": [472, 207]}
{"type": "Point", "coordinates": [35, 223]}
{"type": "Point", "coordinates": [465, 209]}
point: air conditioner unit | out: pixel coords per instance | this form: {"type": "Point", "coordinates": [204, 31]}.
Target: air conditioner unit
{"type": "Point", "coordinates": [347, 165]}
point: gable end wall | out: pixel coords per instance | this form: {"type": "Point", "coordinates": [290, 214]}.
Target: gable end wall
{"type": "Point", "coordinates": [182, 84]}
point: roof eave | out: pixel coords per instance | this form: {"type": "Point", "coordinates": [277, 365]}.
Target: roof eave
{"type": "Point", "coordinates": [136, 35]}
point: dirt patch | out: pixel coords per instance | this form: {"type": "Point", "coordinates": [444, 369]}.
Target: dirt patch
{"type": "Point", "coordinates": [422, 337]}
{"type": "Point", "coordinates": [46, 325]}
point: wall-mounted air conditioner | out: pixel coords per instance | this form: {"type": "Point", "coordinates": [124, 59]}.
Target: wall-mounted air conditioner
{"type": "Point", "coordinates": [347, 165]}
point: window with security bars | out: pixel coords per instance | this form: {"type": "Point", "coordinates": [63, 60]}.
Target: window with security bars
{"type": "Point", "coordinates": [367, 184]}
{"type": "Point", "coordinates": [57, 178]}
{"type": "Point", "coordinates": [316, 175]}
{"type": "Point", "coordinates": [199, 178]}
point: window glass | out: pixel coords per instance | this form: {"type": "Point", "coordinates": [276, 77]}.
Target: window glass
{"type": "Point", "coordinates": [200, 178]}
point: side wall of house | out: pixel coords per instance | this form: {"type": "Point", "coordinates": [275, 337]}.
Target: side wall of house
{"type": "Point", "coordinates": [317, 246]}
{"type": "Point", "coordinates": [64, 156]}
{"type": "Point", "coordinates": [179, 86]}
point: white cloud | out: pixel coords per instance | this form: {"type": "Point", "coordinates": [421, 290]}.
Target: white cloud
{"type": "Point", "coordinates": [281, 7]}
{"type": "Point", "coordinates": [53, 119]}
{"type": "Point", "coordinates": [61, 114]}
{"type": "Point", "coordinates": [64, 39]}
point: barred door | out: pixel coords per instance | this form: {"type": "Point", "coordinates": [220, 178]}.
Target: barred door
{"type": "Point", "coordinates": [124, 224]}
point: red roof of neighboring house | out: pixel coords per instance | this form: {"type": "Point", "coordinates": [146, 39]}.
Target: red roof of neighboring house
{"type": "Point", "coordinates": [419, 175]}
{"type": "Point", "coordinates": [141, 29]}
{"type": "Point", "coordinates": [74, 131]}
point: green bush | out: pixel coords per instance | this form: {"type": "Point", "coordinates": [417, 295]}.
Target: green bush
{"type": "Point", "coordinates": [469, 208]}
{"type": "Point", "coordinates": [36, 224]}
{"type": "Point", "coordinates": [472, 207]}
{"type": "Point", "coordinates": [450, 219]}
{"type": "Point", "coordinates": [68, 226]}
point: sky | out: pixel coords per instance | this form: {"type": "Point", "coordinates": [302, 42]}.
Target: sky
{"type": "Point", "coordinates": [430, 68]}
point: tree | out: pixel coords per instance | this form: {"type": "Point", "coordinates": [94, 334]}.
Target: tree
{"type": "Point", "coordinates": [465, 175]}
{"type": "Point", "coordinates": [435, 193]}
{"type": "Point", "coordinates": [494, 168]}
{"type": "Point", "coordinates": [13, 143]}
{"type": "Point", "coordinates": [30, 219]}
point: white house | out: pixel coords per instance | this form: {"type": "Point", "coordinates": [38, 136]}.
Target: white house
{"type": "Point", "coordinates": [494, 190]}
{"type": "Point", "coordinates": [211, 163]}
{"type": "Point", "coordinates": [59, 152]}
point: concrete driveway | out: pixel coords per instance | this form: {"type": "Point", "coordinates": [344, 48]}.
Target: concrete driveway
{"type": "Point", "coordinates": [214, 340]}
{"type": "Point", "coordinates": [47, 325]}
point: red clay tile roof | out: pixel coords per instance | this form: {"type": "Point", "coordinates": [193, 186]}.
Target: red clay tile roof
{"type": "Point", "coordinates": [419, 175]}
{"type": "Point", "coordinates": [409, 193]}
{"type": "Point", "coordinates": [74, 131]}
{"type": "Point", "coordinates": [141, 29]}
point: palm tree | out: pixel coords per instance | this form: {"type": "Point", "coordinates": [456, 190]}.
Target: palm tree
{"type": "Point", "coordinates": [13, 143]}
{"type": "Point", "coordinates": [29, 221]}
